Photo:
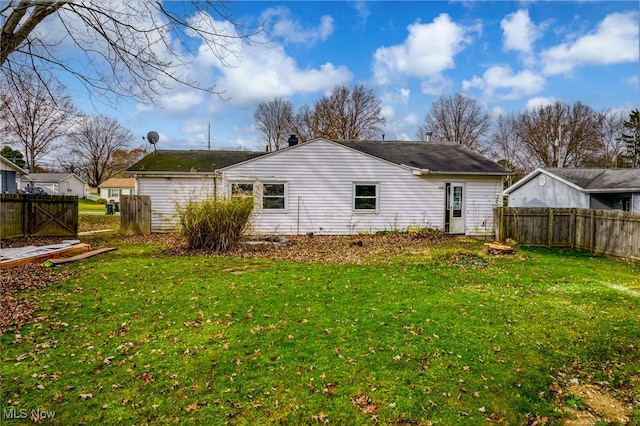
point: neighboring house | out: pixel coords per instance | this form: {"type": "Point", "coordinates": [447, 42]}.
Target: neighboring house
{"type": "Point", "coordinates": [112, 189]}
{"type": "Point", "coordinates": [329, 187]}
{"type": "Point", "coordinates": [55, 183]}
{"type": "Point", "coordinates": [9, 175]}
{"type": "Point", "coordinates": [605, 189]}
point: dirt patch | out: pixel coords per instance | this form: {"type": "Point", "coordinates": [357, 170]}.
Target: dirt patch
{"type": "Point", "coordinates": [591, 404]}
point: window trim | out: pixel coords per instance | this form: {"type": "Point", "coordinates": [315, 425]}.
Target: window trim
{"type": "Point", "coordinates": [376, 198]}
{"type": "Point", "coordinates": [242, 182]}
{"type": "Point", "coordinates": [285, 196]}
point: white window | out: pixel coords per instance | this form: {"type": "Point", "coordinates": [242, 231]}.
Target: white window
{"type": "Point", "coordinates": [365, 197]}
{"type": "Point", "coordinates": [114, 192]}
{"type": "Point", "coordinates": [241, 190]}
{"type": "Point", "coordinates": [273, 196]}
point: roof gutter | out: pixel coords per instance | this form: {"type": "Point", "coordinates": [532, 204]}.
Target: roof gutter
{"type": "Point", "coordinates": [422, 172]}
{"type": "Point", "coordinates": [608, 190]}
{"type": "Point", "coordinates": [159, 173]}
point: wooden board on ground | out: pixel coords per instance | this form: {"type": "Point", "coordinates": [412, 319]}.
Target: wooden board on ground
{"type": "Point", "coordinates": [497, 248]}
{"type": "Point", "coordinates": [43, 253]}
{"type": "Point", "coordinates": [62, 260]}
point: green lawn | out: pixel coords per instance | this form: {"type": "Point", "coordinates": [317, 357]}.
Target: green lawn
{"type": "Point", "coordinates": [446, 336]}
{"type": "Point", "coordinates": [90, 206]}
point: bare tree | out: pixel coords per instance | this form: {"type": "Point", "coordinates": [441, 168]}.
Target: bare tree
{"type": "Point", "coordinates": [611, 147]}
{"type": "Point", "coordinates": [274, 120]}
{"type": "Point", "coordinates": [506, 147]}
{"type": "Point", "coordinates": [92, 144]}
{"type": "Point", "coordinates": [122, 159]}
{"type": "Point", "coordinates": [345, 114]}
{"type": "Point", "coordinates": [130, 48]}
{"type": "Point", "coordinates": [305, 123]}
{"type": "Point", "coordinates": [560, 135]}
{"type": "Point", "coordinates": [456, 119]}
{"type": "Point", "coordinates": [34, 114]}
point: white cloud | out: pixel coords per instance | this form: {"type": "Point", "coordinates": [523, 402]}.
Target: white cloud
{"type": "Point", "coordinates": [362, 11]}
{"type": "Point", "coordinates": [519, 32]}
{"type": "Point", "coordinates": [255, 73]}
{"type": "Point", "coordinates": [498, 111]}
{"type": "Point", "coordinates": [436, 85]}
{"type": "Point", "coordinates": [428, 50]}
{"type": "Point", "coordinates": [538, 102]}
{"type": "Point", "coordinates": [615, 40]}
{"type": "Point", "coordinates": [292, 31]}
{"type": "Point", "coordinates": [510, 85]}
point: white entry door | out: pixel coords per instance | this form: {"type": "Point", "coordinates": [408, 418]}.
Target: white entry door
{"type": "Point", "coordinates": [454, 215]}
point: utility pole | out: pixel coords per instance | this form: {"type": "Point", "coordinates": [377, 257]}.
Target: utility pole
{"type": "Point", "coordinates": [209, 138]}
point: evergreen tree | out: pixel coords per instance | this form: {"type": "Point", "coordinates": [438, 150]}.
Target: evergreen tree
{"type": "Point", "coordinates": [631, 137]}
{"type": "Point", "coordinates": [13, 155]}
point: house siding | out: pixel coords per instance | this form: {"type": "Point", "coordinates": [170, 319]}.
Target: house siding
{"type": "Point", "coordinates": [552, 194]}
{"type": "Point", "coordinates": [69, 186]}
{"type": "Point", "coordinates": [320, 180]}
{"type": "Point", "coordinates": [167, 193]}
{"type": "Point", "coordinates": [635, 202]}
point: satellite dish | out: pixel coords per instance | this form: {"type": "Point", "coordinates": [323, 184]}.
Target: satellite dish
{"type": "Point", "coordinates": [152, 138]}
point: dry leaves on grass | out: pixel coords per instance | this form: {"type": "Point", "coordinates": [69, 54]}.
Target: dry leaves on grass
{"type": "Point", "coordinates": [353, 249]}
{"type": "Point", "coordinates": [18, 310]}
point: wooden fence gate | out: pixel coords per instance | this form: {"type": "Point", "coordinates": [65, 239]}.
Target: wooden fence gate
{"type": "Point", "coordinates": [610, 232]}
{"type": "Point", "coordinates": [135, 214]}
{"type": "Point", "coordinates": [38, 216]}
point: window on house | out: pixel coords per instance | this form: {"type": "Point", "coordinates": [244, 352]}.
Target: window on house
{"type": "Point", "coordinates": [241, 190]}
{"type": "Point", "coordinates": [273, 196]}
{"type": "Point", "coordinates": [114, 192]}
{"type": "Point", "coordinates": [365, 197]}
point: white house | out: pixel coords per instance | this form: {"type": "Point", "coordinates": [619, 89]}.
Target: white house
{"type": "Point", "coordinates": [604, 189]}
{"type": "Point", "coordinates": [9, 175]}
{"type": "Point", "coordinates": [172, 177]}
{"type": "Point", "coordinates": [55, 183]}
{"type": "Point", "coordinates": [329, 187]}
{"type": "Point", "coordinates": [113, 188]}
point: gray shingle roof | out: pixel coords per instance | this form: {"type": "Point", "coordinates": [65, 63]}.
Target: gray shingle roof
{"type": "Point", "coordinates": [600, 179]}
{"type": "Point", "coordinates": [191, 161]}
{"type": "Point", "coordinates": [49, 177]}
{"type": "Point", "coordinates": [435, 157]}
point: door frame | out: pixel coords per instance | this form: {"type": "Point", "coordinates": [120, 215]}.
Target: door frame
{"type": "Point", "coordinates": [459, 222]}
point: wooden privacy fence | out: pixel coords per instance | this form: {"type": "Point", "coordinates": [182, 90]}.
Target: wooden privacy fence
{"type": "Point", "coordinates": [610, 232]}
{"type": "Point", "coordinates": [135, 214]}
{"type": "Point", "coordinates": [38, 216]}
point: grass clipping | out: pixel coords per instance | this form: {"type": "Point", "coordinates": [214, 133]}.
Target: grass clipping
{"type": "Point", "coordinates": [214, 224]}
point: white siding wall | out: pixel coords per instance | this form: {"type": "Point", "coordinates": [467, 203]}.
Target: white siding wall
{"type": "Point", "coordinates": [552, 194]}
{"type": "Point", "coordinates": [71, 186]}
{"type": "Point", "coordinates": [635, 202]}
{"type": "Point", "coordinates": [319, 178]}
{"type": "Point", "coordinates": [166, 194]}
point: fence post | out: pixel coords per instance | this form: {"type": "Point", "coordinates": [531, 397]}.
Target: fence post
{"type": "Point", "coordinates": [550, 229]}
{"type": "Point", "coordinates": [572, 232]}
{"type": "Point", "coordinates": [592, 232]}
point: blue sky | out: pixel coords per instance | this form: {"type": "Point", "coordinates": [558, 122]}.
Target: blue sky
{"type": "Point", "coordinates": [508, 55]}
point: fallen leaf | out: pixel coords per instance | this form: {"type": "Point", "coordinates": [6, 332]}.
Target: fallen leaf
{"type": "Point", "coordinates": [85, 396]}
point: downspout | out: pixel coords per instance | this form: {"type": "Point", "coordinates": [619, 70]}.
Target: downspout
{"type": "Point", "coordinates": [298, 218]}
